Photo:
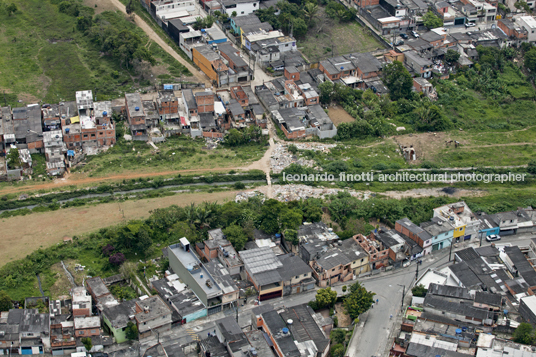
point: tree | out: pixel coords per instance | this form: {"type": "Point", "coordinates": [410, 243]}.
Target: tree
{"type": "Point", "coordinates": [310, 9]}
{"type": "Point", "coordinates": [530, 59]}
{"type": "Point", "coordinates": [337, 350]}
{"type": "Point", "coordinates": [452, 56]}
{"type": "Point", "coordinates": [398, 80]}
{"type": "Point", "coordinates": [326, 92]}
{"type": "Point", "coordinates": [235, 234]}
{"type": "Point", "coordinates": [291, 236]}
{"type": "Point", "coordinates": [293, 149]}
{"type": "Point", "coordinates": [431, 21]}
{"type": "Point", "coordinates": [233, 14]}
{"type": "Point", "coordinates": [419, 291]}
{"type": "Point", "coordinates": [131, 331]}
{"type": "Point", "coordinates": [144, 242]}
{"type": "Point", "coordinates": [88, 344]}
{"type": "Point", "coordinates": [358, 301]}
{"type": "Point", "coordinates": [13, 159]}
{"type": "Point", "coordinates": [5, 301]}
{"type": "Point", "coordinates": [107, 250]}
{"type": "Point", "coordinates": [325, 297]}
{"type": "Point", "coordinates": [337, 336]}
{"type": "Point", "coordinates": [344, 288]}
{"type": "Point", "coordinates": [299, 28]}
{"type": "Point", "coordinates": [524, 334]}
{"type": "Point", "coordinates": [117, 259]}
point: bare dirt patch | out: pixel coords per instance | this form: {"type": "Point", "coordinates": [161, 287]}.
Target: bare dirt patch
{"type": "Point", "coordinates": [342, 317]}
{"type": "Point", "coordinates": [22, 235]}
{"type": "Point", "coordinates": [427, 145]}
{"type": "Point", "coordinates": [338, 115]}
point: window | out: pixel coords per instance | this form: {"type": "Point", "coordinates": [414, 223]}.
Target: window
{"type": "Point", "coordinates": [164, 316]}
{"type": "Point", "coordinates": [85, 135]}
{"type": "Point", "coordinates": [297, 276]}
{"type": "Point", "coordinates": [80, 332]}
{"type": "Point", "coordinates": [286, 45]}
{"type": "Point", "coordinates": [93, 331]}
{"type": "Point", "coordinates": [242, 12]}
{"type": "Point", "coordinates": [333, 269]}
{"type": "Point", "coordinates": [304, 275]}
{"type": "Point", "coordinates": [362, 260]}
{"type": "Point", "coordinates": [145, 323]}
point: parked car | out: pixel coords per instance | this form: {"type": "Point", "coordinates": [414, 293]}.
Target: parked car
{"type": "Point", "coordinates": [98, 354]}
{"type": "Point", "coordinates": [399, 43]}
{"type": "Point", "coordinates": [493, 237]}
{"type": "Point", "coordinates": [469, 24]}
{"type": "Point", "coordinates": [404, 36]}
{"type": "Point", "coordinates": [415, 34]}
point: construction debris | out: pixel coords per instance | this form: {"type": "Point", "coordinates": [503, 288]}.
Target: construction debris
{"type": "Point", "coordinates": [282, 158]}
{"type": "Point", "coordinates": [287, 193]}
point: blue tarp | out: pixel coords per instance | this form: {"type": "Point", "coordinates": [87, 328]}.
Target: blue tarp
{"type": "Point", "coordinates": [168, 86]}
{"type": "Point", "coordinates": [70, 152]}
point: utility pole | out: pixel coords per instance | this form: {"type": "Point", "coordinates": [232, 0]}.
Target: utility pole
{"type": "Point", "coordinates": [417, 272]}
{"type": "Point", "coordinates": [403, 294]}
{"type": "Point", "coordinates": [450, 250]}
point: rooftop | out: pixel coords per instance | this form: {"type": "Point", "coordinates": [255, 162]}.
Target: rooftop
{"type": "Point", "coordinates": [197, 270]}
{"type": "Point", "coordinates": [134, 101]}
{"type": "Point", "coordinates": [281, 335]}
{"type": "Point", "coordinates": [152, 308]}
{"type": "Point", "coordinates": [87, 322]}
{"type": "Point", "coordinates": [292, 266]}
{"type": "Point", "coordinates": [96, 285]}
{"type": "Point", "coordinates": [304, 327]}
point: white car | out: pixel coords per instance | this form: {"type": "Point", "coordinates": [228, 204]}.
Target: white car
{"type": "Point", "coordinates": [415, 34]}
{"type": "Point", "coordinates": [493, 238]}
{"type": "Point", "coordinates": [469, 24]}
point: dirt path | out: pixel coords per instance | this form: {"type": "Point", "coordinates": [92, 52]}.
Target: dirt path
{"type": "Point", "coordinates": [68, 180]}
{"type": "Point", "coordinates": [156, 38]}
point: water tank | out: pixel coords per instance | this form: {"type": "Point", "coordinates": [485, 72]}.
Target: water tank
{"type": "Point", "coordinates": [290, 322]}
{"type": "Point", "coordinates": [67, 130]}
{"type": "Point", "coordinates": [190, 267]}
{"type": "Point", "coordinates": [201, 276]}
{"type": "Point", "coordinates": [105, 113]}
{"type": "Point", "coordinates": [253, 351]}
{"type": "Point", "coordinates": [137, 109]}
{"type": "Point", "coordinates": [458, 331]}
{"type": "Point", "coordinates": [285, 330]}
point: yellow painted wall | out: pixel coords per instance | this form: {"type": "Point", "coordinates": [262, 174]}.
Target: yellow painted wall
{"type": "Point", "coordinates": [459, 231]}
{"type": "Point", "coordinates": [204, 65]}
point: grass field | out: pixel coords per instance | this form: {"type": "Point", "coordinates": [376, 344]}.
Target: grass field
{"type": "Point", "coordinates": [344, 37]}
{"type": "Point", "coordinates": [493, 148]}
{"type": "Point", "coordinates": [23, 235]}
{"type": "Point", "coordinates": [177, 153]}
{"type": "Point", "coordinates": [47, 59]}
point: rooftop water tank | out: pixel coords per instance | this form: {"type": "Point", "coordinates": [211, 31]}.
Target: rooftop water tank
{"type": "Point", "coordinates": [67, 130]}
{"type": "Point", "coordinates": [105, 113]}
{"type": "Point", "coordinates": [137, 109]}
{"type": "Point", "coordinates": [285, 330]}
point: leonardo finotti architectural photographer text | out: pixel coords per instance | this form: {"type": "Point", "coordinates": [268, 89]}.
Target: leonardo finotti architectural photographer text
{"type": "Point", "coordinates": [406, 177]}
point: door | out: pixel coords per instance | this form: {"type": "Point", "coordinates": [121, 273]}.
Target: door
{"type": "Point", "coordinates": [298, 290]}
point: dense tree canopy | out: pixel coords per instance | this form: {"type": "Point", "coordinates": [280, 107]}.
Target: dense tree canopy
{"type": "Point", "coordinates": [431, 20]}
{"type": "Point", "coordinates": [398, 80]}
{"type": "Point", "coordinates": [5, 301]}
{"type": "Point", "coordinates": [358, 301]}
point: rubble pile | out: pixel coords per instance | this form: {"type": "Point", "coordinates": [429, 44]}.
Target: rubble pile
{"type": "Point", "coordinates": [244, 196]}
{"type": "Point", "coordinates": [287, 193]}
{"type": "Point", "coordinates": [282, 158]}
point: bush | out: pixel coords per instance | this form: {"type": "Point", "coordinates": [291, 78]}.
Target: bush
{"type": "Point", "coordinates": [239, 185]}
